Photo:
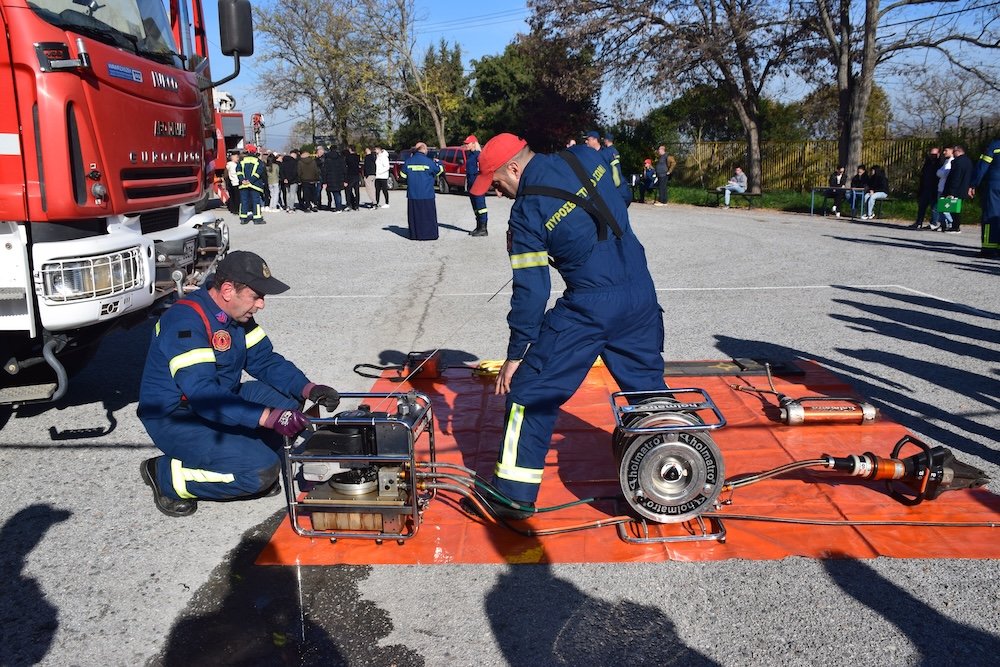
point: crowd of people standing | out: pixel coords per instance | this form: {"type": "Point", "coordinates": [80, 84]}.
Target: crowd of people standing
{"type": "Point", "coordinates": [297, 180]}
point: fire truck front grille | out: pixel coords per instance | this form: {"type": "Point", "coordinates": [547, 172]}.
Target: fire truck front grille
{"type": "Point", "coordinates": [143, 184]}
{"type": "Point", "coordinates": [157, 221]}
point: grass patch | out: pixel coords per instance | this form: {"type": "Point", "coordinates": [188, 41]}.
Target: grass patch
{"type": "Point", "coordinates": [903, 207]}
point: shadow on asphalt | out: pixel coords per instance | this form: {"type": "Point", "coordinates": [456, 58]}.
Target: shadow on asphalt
{"type": "Point", "coordinates": [928, 243]}
{"type": "Point", "coordinates": [113, 374]}
{"type": "Point", "coordinates": [538, 618]}
{"type": "Point", "coordinates": [935, 331]}
{"type": "Point", "coordinates": [404, 232]}
{"type": "Point", "coordinates": [27, 619]}
{"type": "Point", "coordinates": [252, 615]}
{"type": "Point", "coordinates": [938, 639]}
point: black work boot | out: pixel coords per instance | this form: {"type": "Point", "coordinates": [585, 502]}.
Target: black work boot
{"type": "Point", "coordinates": [167, 505]}
{"type": "Point", "coordinates": [499, 509]}
{"type": "Point", "coordinates": [480, 230]}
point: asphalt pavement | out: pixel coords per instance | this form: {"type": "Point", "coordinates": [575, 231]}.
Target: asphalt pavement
{"type": "Point", "coordinates": [94, 575]}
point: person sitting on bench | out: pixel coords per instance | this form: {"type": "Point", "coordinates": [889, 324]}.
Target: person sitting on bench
{"type": "Point", "coordinates": [738, 184]}
{"type": "Point", "coordinates": [878, 188]}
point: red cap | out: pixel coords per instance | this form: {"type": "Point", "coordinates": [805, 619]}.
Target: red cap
{"type": "Point", "coordinates": [471, 139]}
{"type": "Point", "coordinates": [496, 153]}
{"type": "Point", "coordinates": [250, 148]}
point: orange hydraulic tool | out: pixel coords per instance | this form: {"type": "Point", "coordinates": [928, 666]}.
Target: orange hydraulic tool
{"type": "Point", "coordinates": [815, 409]}
{"type": "Point", "coordinates": [926, 474]}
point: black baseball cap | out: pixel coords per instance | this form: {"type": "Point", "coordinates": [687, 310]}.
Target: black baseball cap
{"type": "Point", "coordinates": [251, 270]}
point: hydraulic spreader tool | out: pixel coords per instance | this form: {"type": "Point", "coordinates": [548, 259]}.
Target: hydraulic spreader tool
{"type": "Point", "coordinates": [357, 474]}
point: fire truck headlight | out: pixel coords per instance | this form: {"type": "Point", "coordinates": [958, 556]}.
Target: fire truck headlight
{"type": "Point", "coordinates": [97, 276]}
{"type": "Point", "coordinates": [99, 191]}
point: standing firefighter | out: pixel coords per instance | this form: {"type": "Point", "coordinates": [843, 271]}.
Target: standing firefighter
{"type": "Point", "coordinates": [986, 181]}
{"type": "Point", "coordinates": [421, 173]}
{"type": "Point", "coordinates": [473, 148]}
{"type": "Point", "coordinates": [252, 176]}
{"type": "Point", "coordinates": [567, 212]}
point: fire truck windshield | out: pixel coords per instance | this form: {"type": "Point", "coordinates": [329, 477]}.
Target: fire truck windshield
{"type": "Point", "coordinates": [140, 26]}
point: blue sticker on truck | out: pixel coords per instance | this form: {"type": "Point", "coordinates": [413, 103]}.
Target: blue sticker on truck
{"type": "Point", "coordinates": [124, 72]}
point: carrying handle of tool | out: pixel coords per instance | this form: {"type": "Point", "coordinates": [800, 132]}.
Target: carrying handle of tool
{"type": "Point", "coordinates": [921, 493]}
{"type": "Point", "coordinates": [378, 375]}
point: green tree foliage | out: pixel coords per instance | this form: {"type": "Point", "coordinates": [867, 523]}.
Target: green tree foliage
{"type": "Point", "coordinates": [539, 88]}
{"type": "Point", "coordinates": [820, 115]}
{"type": "Point", "coordinates": [444, 81]}
{"type": "Point", "coordinates": [702, 113]}
{"type": "Point", "coordinates": [434, 84]}
{"type": "Point", "coordinates": [781, 122]}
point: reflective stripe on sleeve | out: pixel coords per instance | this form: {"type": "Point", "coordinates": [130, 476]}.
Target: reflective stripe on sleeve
{"type": "Point", "coordinates": [255, 337]}
{"type": "Point", "coordinates": [180, 476]}
{"type": "Point", "coordinates": [507, 467]}
{"type": "Point", "coordinates": [986, 158]}
{"type": "Point", "coordinates": [199, 355]}
{"type": "Point", "coordinates": [527, 260]}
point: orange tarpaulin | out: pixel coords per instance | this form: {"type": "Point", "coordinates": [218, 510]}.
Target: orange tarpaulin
{"type": "Point", "coordinates": [469, 423]}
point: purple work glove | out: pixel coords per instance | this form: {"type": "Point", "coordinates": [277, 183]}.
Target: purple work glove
{"type": "Point", "coordinates": [288, 423]}
{"type": "Point", "coordinates": [322, 394]}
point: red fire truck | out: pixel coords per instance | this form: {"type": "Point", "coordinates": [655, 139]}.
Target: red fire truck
{"type": "Point", "coordinates": [107, 143]}
{"type": "Point", "coordinates": [229, 136]}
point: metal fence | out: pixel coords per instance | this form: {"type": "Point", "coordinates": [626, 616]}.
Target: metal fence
{"type": "Point", "coordinates": [802, 165]}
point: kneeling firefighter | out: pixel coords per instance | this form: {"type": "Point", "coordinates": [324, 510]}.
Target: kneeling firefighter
{"type": "Point", "coordinates": [220, 435]}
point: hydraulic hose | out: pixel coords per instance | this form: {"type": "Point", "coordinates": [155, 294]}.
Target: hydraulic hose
{"type": "Point", "coordinates": [850, 522]}
{"type": "Point", "coordinates": [500, 496]}
{"type": "Point", "coordinates": [774, 472]}
{"type": "Point", "coordinates": [486, 511]}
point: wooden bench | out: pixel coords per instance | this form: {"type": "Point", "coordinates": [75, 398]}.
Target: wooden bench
{"type": "Point", "coordinates": [748, 197]}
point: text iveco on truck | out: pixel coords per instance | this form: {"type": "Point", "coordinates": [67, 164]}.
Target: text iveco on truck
{"type": "Point", "coordinates": [106, 141]}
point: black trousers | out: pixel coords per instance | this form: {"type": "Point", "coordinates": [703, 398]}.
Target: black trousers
{"type": "Point", "coordinates": [354, 194]}
{"type": "Point", "coordinates": [664, 187]}
{"type": "Point", "coordinates": [925, 200]}
{"type": "Point", "coordinates": [382, 185]}
{"type": "Point", "coordinates": [234, 197]}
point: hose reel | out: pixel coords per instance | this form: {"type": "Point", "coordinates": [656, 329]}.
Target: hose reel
{"type": "Point", "coordinates": [669, 467]}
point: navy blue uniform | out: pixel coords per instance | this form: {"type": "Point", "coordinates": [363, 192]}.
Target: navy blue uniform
{"type": "Point", "coordinates": [987, 183]}
{"type": "Point", "coordinates": [609, 309]}
{"type": "Point", "coordinates": [613, 158]}
{"type": "Point", "coordinates": [197, 411]}
{"type": "Point", "coordinates": [253, 181]}
{"type": "Point", "coordinates": [420, 173]}
{"type": "Point", "coordinates": [478, 203]}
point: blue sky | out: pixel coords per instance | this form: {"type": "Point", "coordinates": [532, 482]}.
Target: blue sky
{"type": "Point", "coordinates": [480, 31]}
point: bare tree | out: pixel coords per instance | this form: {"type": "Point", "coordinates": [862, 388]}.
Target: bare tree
{"type": "Point", "coordinates": [314, 56]}
{"type": "Point", "coordinates": [936, 100]}
{"type": "Point", "coordinates": [424, 82]}
{"type": "Point", "coordinates": [858, 38]}
{"type": "Point", "coordinates": [657, 48]}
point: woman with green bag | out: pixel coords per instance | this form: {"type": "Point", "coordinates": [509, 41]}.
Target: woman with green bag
{"type": "Point", "coordinates": [957, 186]}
